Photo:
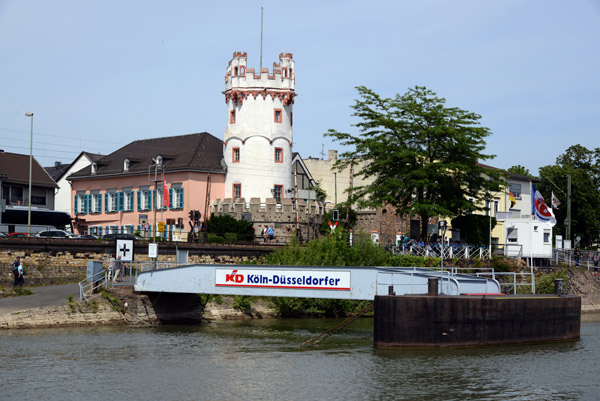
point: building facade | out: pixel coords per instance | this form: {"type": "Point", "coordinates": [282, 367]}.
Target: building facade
{"type": "Point", "coordinates": [124, 192]}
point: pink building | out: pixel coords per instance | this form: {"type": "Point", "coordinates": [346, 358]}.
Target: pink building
{"type": "Point", "coordinates": [123, 191]}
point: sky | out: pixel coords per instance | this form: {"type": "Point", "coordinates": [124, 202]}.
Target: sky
{"type": "Point", "coordinates": [100, 74]}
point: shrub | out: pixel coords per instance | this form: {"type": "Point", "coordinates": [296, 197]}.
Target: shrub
{"type": "Point", "coordinates": [544, 283]}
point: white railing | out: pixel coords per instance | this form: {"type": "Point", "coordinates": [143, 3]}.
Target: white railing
{"type": "Point", "coordinates": [567, 256]}
{"type": "Point", "coordinates": [450, 252]}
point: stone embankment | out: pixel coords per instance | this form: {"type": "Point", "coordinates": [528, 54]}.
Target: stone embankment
{"type": "Point", "coordinates": [119, 307]}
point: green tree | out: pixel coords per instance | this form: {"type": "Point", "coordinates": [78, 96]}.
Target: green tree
{"type": "Point", "coordinates": [475, 228]}
{"type": "Point", "coordinates": [583, 165]}
{"type": "Point", "coordinates": [222, 225]}
{"type": "Point", "coordinates": [521, 170]}
{"type": "Point", "coordinates": [421, 155]}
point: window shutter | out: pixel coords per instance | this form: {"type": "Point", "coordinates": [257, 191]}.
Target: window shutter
{"type": "Point", "coordinates": [89, 203]}
{"type": "Point", "coordinates": [131, 195]}
{"type": "Point", "coordinates": [99, 207]}
{"type": "Point", "coordinates": [170, 198]}
{"type": "Point", "coordinates": [121, 203]}
{"type": "Point", "coordinates": [106, 195]}
{"type": "Point", "coordinates": [180, 198]}
{"type": "Point", "coordinates": [139, 200]}
{"type": "Point", "coordinates": [76, 204]}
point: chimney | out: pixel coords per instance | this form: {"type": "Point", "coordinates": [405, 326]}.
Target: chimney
{"type": "Point", "coordinates": [332, 155]}
{"type": "Point", "coordinates": [56, 164]}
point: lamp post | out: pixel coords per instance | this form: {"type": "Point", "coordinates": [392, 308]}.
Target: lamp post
{"type": "Point", "coordinates": [30, 114]}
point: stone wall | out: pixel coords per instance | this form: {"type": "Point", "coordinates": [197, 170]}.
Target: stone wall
{"type": "Point", "coordinates": [51, 267]}
{"type": "Point", "coordinates": [282, 216]}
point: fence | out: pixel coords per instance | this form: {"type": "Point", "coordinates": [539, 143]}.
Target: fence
{"type": "Point", "coordinates": [461, 252]}
{"type": "Point", "coordinates": [567, 256]}
{"type": "Point", "coordinates": [489, 271]}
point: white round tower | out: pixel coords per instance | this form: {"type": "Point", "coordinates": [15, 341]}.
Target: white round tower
{"type": "Point", "coordinates": [258, 138]}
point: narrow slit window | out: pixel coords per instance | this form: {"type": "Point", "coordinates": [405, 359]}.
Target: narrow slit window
{"type": "Point", "coordinates": [278, 116]}
{"type": "Point", "coordinates": [278, 155]}
{"type": "Point", "coordinates": [235, 156]}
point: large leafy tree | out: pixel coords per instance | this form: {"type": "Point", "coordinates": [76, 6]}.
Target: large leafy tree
{"type": "Point", "coordinates": [521, 170]}
{"type": "Point", "coordinates": [583, 165]}
{"type": "Point", "coordinates": [422, 155]}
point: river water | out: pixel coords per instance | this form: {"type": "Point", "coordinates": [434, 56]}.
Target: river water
{"type": "Point", "coordinates": [261, 359]}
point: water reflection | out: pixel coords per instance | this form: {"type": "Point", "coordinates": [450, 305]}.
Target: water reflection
{"type": "Point", "coordinates": [263, 360]}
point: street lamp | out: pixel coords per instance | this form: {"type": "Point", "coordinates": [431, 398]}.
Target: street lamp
{"type": "Point", "coordinates": [30, 114]}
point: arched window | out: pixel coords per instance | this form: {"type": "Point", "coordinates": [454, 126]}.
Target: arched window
{"type": "Point", "coordinates": [126, 165]}
{"type": "Point", "coordinates": [235, 70]}
{"type": "Point", "coordinates": [94, 168]}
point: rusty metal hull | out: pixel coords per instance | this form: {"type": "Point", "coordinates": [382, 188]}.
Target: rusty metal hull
{"type": "Point", "coordinates": [465, 321]}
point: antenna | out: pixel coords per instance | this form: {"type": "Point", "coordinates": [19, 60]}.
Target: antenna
{"type": "Point", "coordinates": [261, 35]}
{"type": "Point", "coordinates": [322, 151]}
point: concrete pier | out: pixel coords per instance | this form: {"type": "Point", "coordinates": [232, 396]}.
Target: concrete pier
{"type": "Point", "coordinates": [415, 321]}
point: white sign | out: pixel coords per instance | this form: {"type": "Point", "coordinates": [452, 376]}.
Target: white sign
{"type": "Point", "coordinates": [152, 250]}
{"type": "Point", "coordinates": [125, 249]}
{"type": "Point", "coordinates": [270, 278]}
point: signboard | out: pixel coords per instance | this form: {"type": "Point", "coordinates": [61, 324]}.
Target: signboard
{"type": "Point", "coordinates": [124, 249]}
{"type": "Point", "coordinates": [270, 278]}
{"type": "Point", "coordinates": [161, 226]}
{"type": "Point", "coordinates": [559, 241]}
{"type": "Point", "coordinates": [152, 250]}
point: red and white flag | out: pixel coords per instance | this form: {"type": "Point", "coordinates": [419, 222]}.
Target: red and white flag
{"type": "Point", "coordinates": [555, 201]}
{"type": "Point", "coordinates": [166, 199]}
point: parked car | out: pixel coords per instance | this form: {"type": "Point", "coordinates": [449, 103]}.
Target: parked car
{"type": "Point", "coordinates": [3, 234]}
{"type": "Point", "coordinates": [18, 235]}
{"type": "Point", "coordinates": [54, 234]}
{"type": "Point", "coordinates": [87, 236]}
{"type": "Point", "coordinates": [121, 236]}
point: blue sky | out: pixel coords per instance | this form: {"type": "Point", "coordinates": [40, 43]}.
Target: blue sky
{"type": "Point", "coordinates": [100, 74]}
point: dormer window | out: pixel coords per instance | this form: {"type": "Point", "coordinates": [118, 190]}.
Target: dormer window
{"type": "Point", "coordinates": [159, 160]}
{"type": "Point", "coordinates": [126, 165]}
{"type": "Point", "coordinates": [94, 168]}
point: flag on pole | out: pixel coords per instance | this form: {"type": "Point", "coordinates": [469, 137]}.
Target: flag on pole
{"type": "Point", "coordinates": [513, 201]}
{"type": "Point", "coordinates": [555, 201]}
{"type": "Point", "coordinates": [166, 199]}
{"type": "Point", "coordinates": [539, 208]}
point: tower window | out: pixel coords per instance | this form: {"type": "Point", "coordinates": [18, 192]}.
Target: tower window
{"type": "Point", "coordinates": [278, 116]}
{"type": "Point", "coordinates": [237, 191]}
{"type": "Point", "coordinates": [235, 71]}
{"type": "Point", "coordinates": [232, 117]}
{"type": "Point", "coordinates": [235, 155]}
{"type": "Point", "coordinates": [278, 155]}
{"type": "Point", "coordinates": [277, 191]}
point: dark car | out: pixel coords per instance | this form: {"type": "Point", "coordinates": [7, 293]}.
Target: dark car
{"type": "Point", "coordinates": [18, 235]}
{"type": "Point", "coordinates": [121, 236]}
{"type": "Point", "coordinates": [87, 236]}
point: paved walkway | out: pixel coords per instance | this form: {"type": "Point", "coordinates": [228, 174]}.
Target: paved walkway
{"type": "Point", "coordinates": [42, 296]}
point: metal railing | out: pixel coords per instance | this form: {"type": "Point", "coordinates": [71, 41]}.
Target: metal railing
{"type": "Point", "coordinates": [89, 286]}
{"type": "Point", "coordinates": [567, 256]}
{"type": "Point", "coordinates": [461, 252]}
{"type": "Point", "coordinates": [515, 283]}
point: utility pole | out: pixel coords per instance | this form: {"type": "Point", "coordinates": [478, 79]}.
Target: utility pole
{"type": "Point", "coordinates": [569, 207]}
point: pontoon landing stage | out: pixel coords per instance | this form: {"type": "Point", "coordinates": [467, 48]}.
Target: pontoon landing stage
{"type": "Point", "coordinates": [359, 283]}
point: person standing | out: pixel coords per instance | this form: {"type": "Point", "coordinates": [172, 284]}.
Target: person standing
{"type": "Point", "coordinates": [111, 267]}
{"type": "Point", "coordinates": [19, 280]}
{"type": "Point", "coordinates": [577, 255]}
{"type": "Point", "coordinates": [265, 234]}
{"type": "Point", "coordinates": [14, 267]}
{"type": "Point", "coordinates": [596, 260]}
{"type": "Point", "coordinates": [117, 268]}
{"type": "Point", "coordinates": [271, 233]}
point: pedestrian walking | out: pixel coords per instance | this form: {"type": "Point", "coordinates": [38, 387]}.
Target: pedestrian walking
{"type": "Point", "coordinates": [265, 233]}
{"type": "Point", "coordinates": [577, 255]}
{"type": "Point", "coordinates": [19, 280]}
{"type": "Point", "coordinates": [596, 260]}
